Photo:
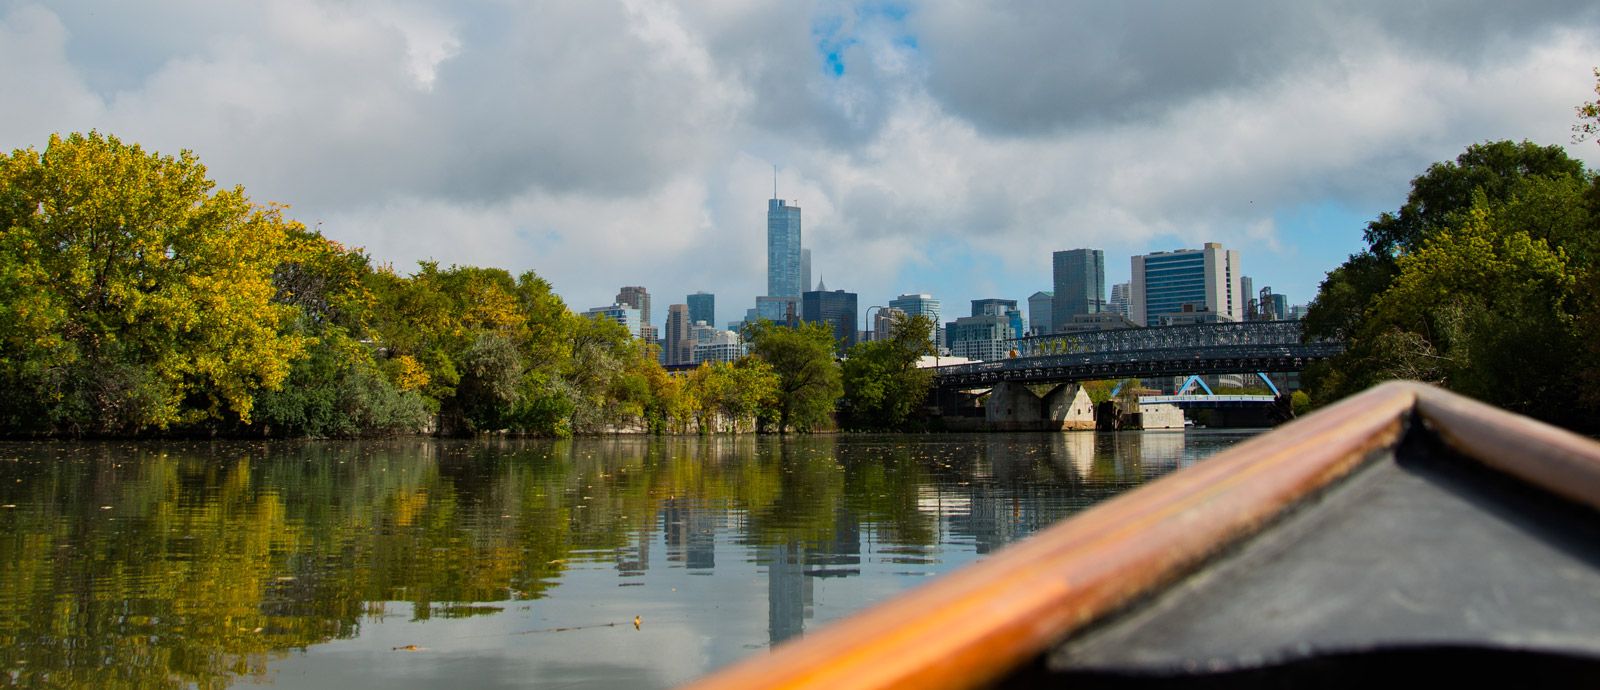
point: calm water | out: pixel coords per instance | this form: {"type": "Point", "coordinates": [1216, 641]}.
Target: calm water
{"type": "Point", "coordinates": [422, 563]}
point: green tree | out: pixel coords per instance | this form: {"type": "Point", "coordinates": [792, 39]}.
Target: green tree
{"type": "Point", "coordinates": [1496, 169]}
{"type": "Point", "coordinates": [1588, 116]}
{"type": "Point", "coordinates": [808, 377]}
{"type": "Point", "coordinates": [1534, 192]}
{"type": "Point", "coordinates": [883, 387]}
{"type": "Point", "coordinates": [131, 294]}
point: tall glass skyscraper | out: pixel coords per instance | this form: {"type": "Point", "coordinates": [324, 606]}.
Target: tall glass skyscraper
{"type": "Point", "coordinates": [1080, 281]}
{"type": "Point", "coordinates": [703, 307]}
{"type": "Point", "coordinates": [837, 309]}
{"type": "Point", "coordinates": [784, 278]}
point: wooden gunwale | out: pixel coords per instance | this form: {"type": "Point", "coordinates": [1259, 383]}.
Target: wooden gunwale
{"type": "Point", "coordinates": [974, 625]}
{"type": "Point", "coordinates": [1548, 457]}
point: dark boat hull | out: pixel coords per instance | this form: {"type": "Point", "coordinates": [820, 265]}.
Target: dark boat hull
{"type": "Point", "coordinates": [1387, 532]}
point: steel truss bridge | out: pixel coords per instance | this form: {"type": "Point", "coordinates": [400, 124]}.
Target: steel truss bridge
{"type": "Point", "coordinates": [1213, 348]}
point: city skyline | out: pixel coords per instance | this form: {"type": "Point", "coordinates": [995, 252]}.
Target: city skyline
{"type": "Point", "coordinates": [935, 147]}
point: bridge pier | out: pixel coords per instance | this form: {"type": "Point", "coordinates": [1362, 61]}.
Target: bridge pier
{"type": "Point", "coordinates": [1012, 407]}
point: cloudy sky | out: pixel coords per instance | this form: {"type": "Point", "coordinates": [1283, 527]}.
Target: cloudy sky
{"type": "Point", "coordinates": [938, 147]}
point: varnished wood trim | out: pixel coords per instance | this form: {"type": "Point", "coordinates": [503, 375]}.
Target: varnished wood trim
{"type": "Point", "coordinates": [973, 625]}
{"type": "Point", "coordinates": [1551, 458]}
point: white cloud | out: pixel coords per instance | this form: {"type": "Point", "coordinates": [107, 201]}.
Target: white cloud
{"type": "Point", "coordinates": [605, 144]}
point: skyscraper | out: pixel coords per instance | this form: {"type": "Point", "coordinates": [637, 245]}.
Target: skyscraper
{"type": "Point", "coordinates": [993, 306]}
{"type": "Point", "coordinates": [1039, 321]}
{"type": "Point", "coordinates": [639, 298]}
{"type": "Point", "coordinates": [702, 307]}
{"type": "Point", "coordinates": [1120, 299]}
{"type": "Point", "coordinates": [784, 277]}
{"type": "Point", "coordinates": [837, 308]}
{"type": "Point", "coordinates": [805, 268]}
{"type": "Point", "coordinates": [883, 322]}
{"type": "Point", "coordinates": [1203, 279]}
{"type": "Point", "coordinates": [677, 345]}
{"type": "Point", "coordinates": [620, 313]}
{"type": "Point", "coordinates": [1080, 282]}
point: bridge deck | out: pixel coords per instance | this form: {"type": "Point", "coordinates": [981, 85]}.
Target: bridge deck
{"type": "Point", "coordinates": [1226, 348]}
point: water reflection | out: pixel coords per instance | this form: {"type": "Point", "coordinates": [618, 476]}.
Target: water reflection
{"type": "Point", "coordinates": [324, 564]}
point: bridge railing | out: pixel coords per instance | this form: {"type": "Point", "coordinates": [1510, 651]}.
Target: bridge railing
{"type": "Point", "coordinates": [1172, 359]}
{"type": "Point", "coordinates": [1159, 337]}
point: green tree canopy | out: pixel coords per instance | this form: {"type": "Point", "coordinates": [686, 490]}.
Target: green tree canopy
{"type": "Point", "coordinates": [883, 388]}
{"type": "Point", "coordinates": [1478, 284]}
{"type": "Point", "coordinates": [808, 377]}
{"type": "Point", "coordinates": [1496, 169]}
{"type": "Point", "coordinates": [132, 295]}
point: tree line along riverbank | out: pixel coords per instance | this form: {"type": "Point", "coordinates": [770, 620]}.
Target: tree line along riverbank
{"type": "Point", "coordinates": [137, 298]}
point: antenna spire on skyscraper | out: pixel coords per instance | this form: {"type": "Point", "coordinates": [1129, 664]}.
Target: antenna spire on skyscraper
{"type": "Point", "coordinates": [774, 180]}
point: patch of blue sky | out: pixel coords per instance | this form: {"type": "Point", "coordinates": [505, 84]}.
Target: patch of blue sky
{"type": "Point", "coordinates": [834, 36]}
{"type": "Point", "coordinates": [1312, 240]}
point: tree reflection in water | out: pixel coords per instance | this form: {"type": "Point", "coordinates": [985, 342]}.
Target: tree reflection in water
{"type": "Point", "coordinates": [179, 564]}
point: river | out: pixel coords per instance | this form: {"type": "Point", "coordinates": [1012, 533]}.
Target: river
{"type": "Point", "coordinates": [421, 563]}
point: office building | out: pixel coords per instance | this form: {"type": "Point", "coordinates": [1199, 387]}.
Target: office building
{"type": "Point", "coordinates": [639, 298]}
{"type": "Point", "coordinates": [784, 277]}
{"type": "Point", "coordinates": [984, 337]}
{"type": "Point", "coordinates": [1080, 284]}
{"type": "Point", "coordinates": [721, 346]}
{"type": "Point", "coordinates": [702, 332]}
{"type": "Point", "coordinates": [883, 321]}
{"type": "Point", "coordinates": [1039, 322]}
{"type": "Point", "coordinates": [784, 311]}
{"type": "Point", "coordinates": [1121, 300]}
{"type": "Point", "coordinates": [702, 307]}
{"type": "Point", "coordinates": [922, 305]}
{"type": "Point", "coordinates": [993, 306]}
{"type": "Point", "coordinates": [1186, 281]}
{"type": "Point", "coordinates": [620, 313]}
{"type": "Point", "coordinates": [805, 268]}
{"type": "Point", "coordinates": [677, 345]}
{"type": "Point", "coordinates": [837, 308]}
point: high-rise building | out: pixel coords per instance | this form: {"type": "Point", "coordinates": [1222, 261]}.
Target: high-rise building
{"type": "Point", "coordinates": [784, 278]}
{"type": "Point", "coordinates": [981, 336]}
{"type": "Point", "coordinates": [921, 305]}
{"type": "Point", "coordinates": [702, 307]}
{"type": "Point", "coordinates": [1247, 290]}
{"type": "Point", "coordinates": [837, 308]}
{"type": "Point", "coordinates": [784, 311]}
{"type": "Point", "coordinates": [1080, 284]}
{"type": "Point", "coordinates": [805, 268]}
{"type": "Point", "coordinates": [883, 322]}
{"type": "Point", "coordinates": [722, 346]}
{"type": "Point", "coordinates": [1186, 280]}
{"type": "Point", "coordinates": [992, 306]}
{"type": "Point", "coordinates": [677, 346]}
{"type": "Point", "coordinates": [1121, 301]}
{"type": "Point", "coordinates": [1039, 322]}
{"type": "Point", "coordinates": [620, 313]}
{"type": "Point", "coordinates": [639, 298]}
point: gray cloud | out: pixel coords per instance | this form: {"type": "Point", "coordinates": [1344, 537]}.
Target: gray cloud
{"type": "Point", "coordinates": [1034, 67]}
{"type": "Point", "coordinates": [632, 142]}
